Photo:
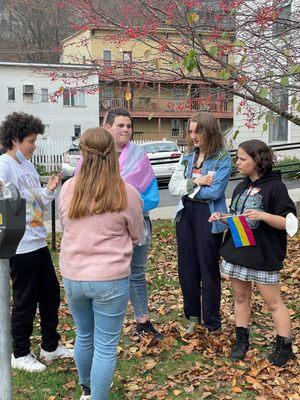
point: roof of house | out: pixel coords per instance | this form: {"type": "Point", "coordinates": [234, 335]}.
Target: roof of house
{"type": "Point", "coordinates": [44, 65]}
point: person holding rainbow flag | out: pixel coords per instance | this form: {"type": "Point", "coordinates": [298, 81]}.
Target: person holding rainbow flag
{"type": "Point", "coordinates": [255, 246]}
{"type": "Point", "coordinates": [136, 169]}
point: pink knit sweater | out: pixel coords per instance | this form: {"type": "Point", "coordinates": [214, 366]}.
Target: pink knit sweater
{"type": "Point", "coordinates": [99, 247]}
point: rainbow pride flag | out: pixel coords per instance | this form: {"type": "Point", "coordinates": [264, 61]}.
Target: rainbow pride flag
{"type": "Point", "coordinates": [240, 230]}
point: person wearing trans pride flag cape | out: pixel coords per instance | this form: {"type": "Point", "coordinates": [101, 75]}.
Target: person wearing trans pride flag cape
{"type": "Point", "coordinates": [136, 169]}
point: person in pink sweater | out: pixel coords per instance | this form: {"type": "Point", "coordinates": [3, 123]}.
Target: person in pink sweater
{"type": "Point", "coordinates": [102, 221]}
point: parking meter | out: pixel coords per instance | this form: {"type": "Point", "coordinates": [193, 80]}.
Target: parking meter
{"type": "Point", "coordinates": [12, 220]}
{"type": "Point", "coordinates": [12, 228]}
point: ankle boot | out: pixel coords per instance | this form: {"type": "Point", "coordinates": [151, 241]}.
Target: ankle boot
{"type": "Point", "coordinates": [193, 322]}
{"type": "Point", "coordinates": [282, 351]}
{"type": "Point", "coordinates": [241, 345]}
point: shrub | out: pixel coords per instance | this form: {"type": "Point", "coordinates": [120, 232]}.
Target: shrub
{"type": "Point", "coordinates": [288, 164]}
{"type": "Point", "coordinates": [41, 170]}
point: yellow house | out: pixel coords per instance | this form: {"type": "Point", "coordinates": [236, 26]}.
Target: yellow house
{"type": "Point", "coordinates": [136, 76]}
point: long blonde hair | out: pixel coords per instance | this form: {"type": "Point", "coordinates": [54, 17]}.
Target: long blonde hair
{"type": "Point", "coordinates": [99, 187]}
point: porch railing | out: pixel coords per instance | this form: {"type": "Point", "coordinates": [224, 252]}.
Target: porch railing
{"type": "Point", "coordinates": [216, 103]}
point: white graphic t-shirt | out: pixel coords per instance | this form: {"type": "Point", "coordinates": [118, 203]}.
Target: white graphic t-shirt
{"type": "Point", "coordinates": [26, 179]}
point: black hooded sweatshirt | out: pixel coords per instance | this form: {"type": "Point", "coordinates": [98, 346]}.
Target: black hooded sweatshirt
{"type": "Point", "coordinates": [269, 194]}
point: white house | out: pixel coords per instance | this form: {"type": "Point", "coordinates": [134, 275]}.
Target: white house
{"type": "Point", "coordinates": [267, 58]}
{"type": "Point", "coordinates": [64, 96]}
{"type": "Point", "coordinates": [281, 132]}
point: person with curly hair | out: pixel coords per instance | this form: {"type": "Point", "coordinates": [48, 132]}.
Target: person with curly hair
{"type": "Point", "coordinates": [264, 200]}
{"type": "Point", "coordinates": [32, 272]}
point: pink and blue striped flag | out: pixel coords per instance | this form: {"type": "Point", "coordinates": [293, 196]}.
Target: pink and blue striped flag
{"type": "Point", "coordinates": [136, 169]}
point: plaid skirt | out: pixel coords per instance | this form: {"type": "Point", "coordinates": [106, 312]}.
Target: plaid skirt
{"type": "Point", "coordinates": [250, 275]}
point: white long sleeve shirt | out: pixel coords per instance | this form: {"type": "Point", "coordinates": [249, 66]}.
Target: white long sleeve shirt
{"type": "Point", "coordinates": [26, 179]}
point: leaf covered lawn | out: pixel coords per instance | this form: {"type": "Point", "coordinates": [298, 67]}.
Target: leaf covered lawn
{"type": "Point", "coordinates": [194, 367]}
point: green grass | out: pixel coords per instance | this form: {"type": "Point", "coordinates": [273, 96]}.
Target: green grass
{"type": "Point", "coordinates": [197, 367]}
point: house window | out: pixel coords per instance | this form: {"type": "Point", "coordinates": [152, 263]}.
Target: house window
{"type": "Point", "coordinates": [185, 126]}
{"type": "Point", "coordinates": [278, 128]}
{"type": "Point", "coordinates": [108, 92]}
{"type": "Point", "coordinates": [107, 58]}
{"type": "Point", "coordinates": [44, 95]}
{"type": "Point", "coordinates": [107, 98]}
{"type": "Point", "coordinates": [28, 91]}
{"type": "Point", "coordinates": [127, 56]}
{"type": "Point", "coordinates": [127, 60]}
{"type": "Point", "coordinates": [77, 131]}
{"type": "Point", "coordinates": [74, 97]}
{"type": "Point", "coordinates": [175, 127]}
{"type": "Point", "coordinates": [11, 94]}
{"type": "Point", "coordinates": [225, 125]}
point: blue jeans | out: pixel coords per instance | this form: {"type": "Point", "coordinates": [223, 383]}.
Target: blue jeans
{"type": "Point", "coordinates": [98, 309]}
{"type": "Point", "coordinates": [138, 283]}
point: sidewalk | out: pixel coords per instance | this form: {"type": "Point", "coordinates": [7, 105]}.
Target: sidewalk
{"type": "Point", "coordinates": [169, 212]}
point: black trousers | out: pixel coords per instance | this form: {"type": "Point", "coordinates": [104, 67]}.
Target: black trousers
{"type": "Point", "coordinates": [34, 284]}
{"type": "Point", "coordinates": [198, 264]}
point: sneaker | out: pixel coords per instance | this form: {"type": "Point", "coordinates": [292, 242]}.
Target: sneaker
{"type": "Point", "coordinates": [60, 352]}
{"type": "Point", "coordinates": [241, 346]}
{"type": "Point", "coordinates": [146, 328]}
{"type": "Point", "coordinates": [86, 393]}
{"type": "Point", "coordinates": [193, 322]}
{"type": "Point", "coordinates": [27, 363]}
{"type": "Point", "coordinates": [85, 397]}
{"type": "Point", "coordinates": [282, 351]}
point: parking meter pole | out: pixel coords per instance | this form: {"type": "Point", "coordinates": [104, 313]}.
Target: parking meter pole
{"type": "Point", "coordinates": [53, 228]}
{"type": "Point", "coordinates": [5, 363]}
{"type": "Point", "coordinates": [12, 228]}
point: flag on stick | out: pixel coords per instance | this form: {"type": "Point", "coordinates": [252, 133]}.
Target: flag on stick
{"type": "Point", "coordinates": [240, 230]}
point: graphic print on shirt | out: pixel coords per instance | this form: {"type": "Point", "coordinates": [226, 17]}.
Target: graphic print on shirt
{"type": "Point", "coordinates": [197, 172]}
{"type": "Point", "coordinates": [28, 186]}
{"type": "Point", "coordinates": [248, 200]}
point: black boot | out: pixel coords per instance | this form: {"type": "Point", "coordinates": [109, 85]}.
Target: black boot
{"type": "Point", "coordinates": [282, 351]}
{"type": "Point", "coordinates": [147, 327]}
{"type": "Point", "coordinates": [241, 345]}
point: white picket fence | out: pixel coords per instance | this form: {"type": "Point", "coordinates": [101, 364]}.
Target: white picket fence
{"type": "Point", "coordinates": [49, 152]}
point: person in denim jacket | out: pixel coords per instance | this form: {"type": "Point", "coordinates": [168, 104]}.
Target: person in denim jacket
{"type": "Point", "coordinates": [201, 177]}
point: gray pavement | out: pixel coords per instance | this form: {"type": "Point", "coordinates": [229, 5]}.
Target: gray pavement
{"type": "Point", "coordinates": [168, 212]}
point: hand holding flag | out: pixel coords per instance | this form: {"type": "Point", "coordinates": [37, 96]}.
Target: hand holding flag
{"type": "Point", "coordinates": [240, 230]}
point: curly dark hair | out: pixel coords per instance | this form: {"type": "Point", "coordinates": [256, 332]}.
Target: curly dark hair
{"type": "Point", "coordinates": [17, 126]}
{"type": "Point", "coordinates": [261, 153]}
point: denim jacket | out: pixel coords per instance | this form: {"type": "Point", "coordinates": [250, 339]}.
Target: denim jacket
{"type": "Point", "coordinates": [181, 182]}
